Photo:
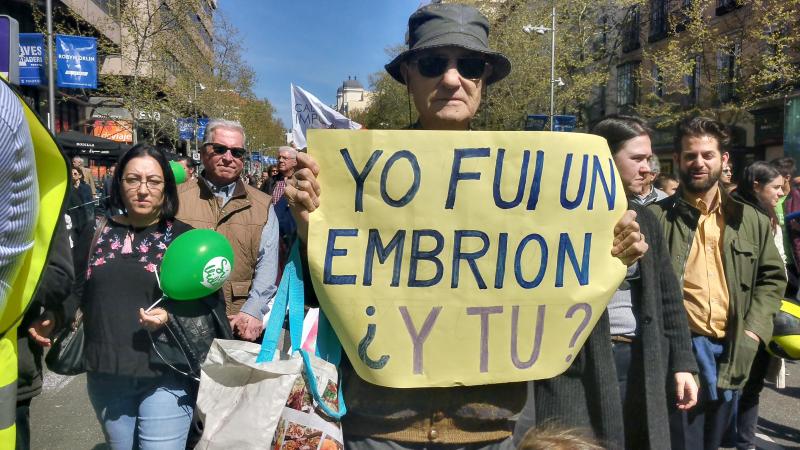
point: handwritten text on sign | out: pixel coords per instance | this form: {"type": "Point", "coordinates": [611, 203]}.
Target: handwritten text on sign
{"type": "Point", "coordinates": [463, 258]}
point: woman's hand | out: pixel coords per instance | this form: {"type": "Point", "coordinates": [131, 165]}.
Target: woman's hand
{"type": "Point", "coordinates": [629, 244]}
{"type": "Point", "coordinates": [41, 328]}
{"type": "Point", "coordinates": [686, 390]}
{"type": "Point", "coordinates": [154, 319]}
{"type": "Point", "coordinates": [302, 191]}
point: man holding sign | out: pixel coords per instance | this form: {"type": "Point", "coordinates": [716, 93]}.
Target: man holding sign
{"type": "Point", "coordinates": [446, 67]}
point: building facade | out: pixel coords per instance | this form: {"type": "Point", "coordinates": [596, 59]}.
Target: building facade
{"type": "Point", "coordinates": [188, 23]}
{"type": "Point", "coordinates": [683, 57]}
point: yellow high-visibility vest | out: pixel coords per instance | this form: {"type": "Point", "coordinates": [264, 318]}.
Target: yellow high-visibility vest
{"type": "Point", "coordinates": [52, 178]}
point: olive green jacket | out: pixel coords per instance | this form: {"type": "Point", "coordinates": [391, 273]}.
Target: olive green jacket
{"type": "Point", "coordinates": [753, 270]}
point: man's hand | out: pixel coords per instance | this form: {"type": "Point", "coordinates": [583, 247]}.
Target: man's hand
{"type": "Point", "coordinates": [41, 328]}
{"type": "Point", "coordinates": [153, 319]}
{"type": "Point", "coordinates": [302, 191]}
{"type": "Point", "coordinates": [245, 326]}
{"type": "Point", "coordinates": [686, 390]}
{"type": "Point", "coordinates": [753, 336]}
{"type": "Point", "coordinates": [629, 244]}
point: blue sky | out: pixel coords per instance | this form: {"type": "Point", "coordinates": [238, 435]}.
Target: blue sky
{"type": "Point", "coordinates": [316, 44]}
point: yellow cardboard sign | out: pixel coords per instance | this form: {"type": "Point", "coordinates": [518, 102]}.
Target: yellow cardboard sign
{"type": "Point", "coordinates": [463, 258]}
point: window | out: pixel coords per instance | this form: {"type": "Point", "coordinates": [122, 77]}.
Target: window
{"type": "Point", "coordinates": [110, 7]}
{"type": "Point", "coordinates": [658, 82]}
{"type": "Point", "coordinates": [692, 81]}
{"type": "Point", "coordinates": [726, 6]}
{"type": "Point", "coordinates": [627, 85]}
{"type": "Point", "coordinates": [602, 100]}
{"type": "Point", "coordinates": [658, 20]}
{"type": "Point", "coordinates": [726, 71]}
{"type": "Point", "coordinates": [630, 30]}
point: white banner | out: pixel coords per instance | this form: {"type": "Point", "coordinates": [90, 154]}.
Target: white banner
{"type": "Point", "coordinates": [309, 112]}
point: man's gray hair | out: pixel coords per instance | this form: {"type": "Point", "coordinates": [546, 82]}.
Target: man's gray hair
{"type": "Point", "coordinates": [291, 151]}
{"type": "Point", "coordinates": [655, 164]}
{"type": "Point", "coordinates": [213, 124]}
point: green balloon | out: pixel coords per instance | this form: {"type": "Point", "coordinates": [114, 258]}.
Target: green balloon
{"type": "Point", "coordinates": [195, 265]}
{"type": "Point", "coordinates": [178, 171]}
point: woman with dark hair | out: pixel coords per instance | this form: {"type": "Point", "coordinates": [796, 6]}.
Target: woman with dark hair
{"type": "Point", "coordinates": [761, 187]}
{"type": "Point", "coordinates": [268, 183]}
{"type": "Point", "coordinates": [79, 201]}
{"type": "Point", "coordinates": [138, 394]}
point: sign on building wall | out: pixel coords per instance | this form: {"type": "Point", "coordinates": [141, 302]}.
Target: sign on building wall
{"type": "Point", "coordinates": [31, 59]}
{"type": "Point", "coordinates": [115, 130]}
{"type": "Point", "coordinates": [9, 42]}
{"type": "Point", "coordinates": [76, 62]}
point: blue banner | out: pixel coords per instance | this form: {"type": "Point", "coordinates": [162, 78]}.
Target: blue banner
{"type": "Point", "coordinates": [201, 128]}
{"type": "Point", "coordinates": [76, 62]}
{"type": "Point", "coordinates": [564, 123]}
{"type": "Point", "coordinates": [186, 129]}
{"type": "Point", "coordinates": [31, 59]}
{"type": "Point", "coordinates": [536, 122]}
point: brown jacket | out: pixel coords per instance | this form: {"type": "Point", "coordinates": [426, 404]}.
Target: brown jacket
{"type": "Point", "coordinates": [241, 221]}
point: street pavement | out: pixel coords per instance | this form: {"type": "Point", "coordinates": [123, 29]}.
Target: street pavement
{"type": "Point", "coordinates": [62, 417]}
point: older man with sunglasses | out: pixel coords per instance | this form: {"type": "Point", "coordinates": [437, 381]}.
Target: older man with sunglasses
{"type": "Point", "coordinates": [446, 68]}
{"type": "Point", "coordinates": [217, 199]}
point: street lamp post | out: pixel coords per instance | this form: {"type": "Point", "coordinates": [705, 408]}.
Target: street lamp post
{"type": "Point", "coordinates": [51, 63]}
{"type": "Point", "coordinates": [194, 106]}
{"type": "Point", "coordinates": [541, 30]}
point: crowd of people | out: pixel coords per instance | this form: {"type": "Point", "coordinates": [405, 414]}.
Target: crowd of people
{"type": "Point", "coordinates": [677, 359]}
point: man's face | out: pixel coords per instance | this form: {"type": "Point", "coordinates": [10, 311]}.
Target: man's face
{"type": "Point", "coordinates": [448, 100]}
{"type": "Point", "coordinates": [77, 162]}
{"type": "Point", "coordinates": [670, 187]}
{"type": "Point", "coordinates": [223, 169]}
{"type": "Point", "coordinates": [632, 161]}
{"type": "Point", "coordinates": [286, 163]}
{"type": "Point", "coordinates": [727, 173]}
{"type": "Point", "coordinates": [111, 170]}
{"type": "Point", "coordinates": [787, 185]}
{"type": "Point", "coordinates": [700, 163]}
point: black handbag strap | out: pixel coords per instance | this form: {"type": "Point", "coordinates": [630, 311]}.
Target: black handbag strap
{"type": "Point", "coordinates": [97, 232]}
{"type": "Point", "coordinates": [101, 224]}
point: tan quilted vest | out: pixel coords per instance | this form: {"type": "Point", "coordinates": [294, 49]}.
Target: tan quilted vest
{"type": "Point", "coordinates": [240, 221]}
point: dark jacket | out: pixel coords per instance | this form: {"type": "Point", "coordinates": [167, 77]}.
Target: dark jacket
{"type": "Point", "coordinates": [53, 289]}
{"type": "Point", "coordinates": [578, 398]}
{"type": "Point", "coordinates": [192, 327]}
{"type": "Point", "coordinates": [753, 270]}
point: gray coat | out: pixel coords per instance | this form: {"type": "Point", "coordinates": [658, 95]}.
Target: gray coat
{"type": "Point", "coordinates": [587, 395]}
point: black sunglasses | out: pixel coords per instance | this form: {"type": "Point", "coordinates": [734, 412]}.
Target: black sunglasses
{"type": "Point", "coordinates": [220, 149]}
{"type": "Point", "coordinates": [470, 67]}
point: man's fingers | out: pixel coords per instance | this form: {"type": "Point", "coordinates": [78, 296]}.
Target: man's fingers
{"type": "Point", "coordinates": [303, 198]}
{"type": "Point", "coordinates": [627, 220]}
{"type": "Point", "coordinates": [304, 161]}
{"type": "Point", "coordinates": [305, 175]}
{"type": "Point", "coordinates": [41, 340]}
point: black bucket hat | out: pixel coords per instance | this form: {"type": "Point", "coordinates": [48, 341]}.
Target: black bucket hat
{"type": "Point", "coordinates": [450, 25]}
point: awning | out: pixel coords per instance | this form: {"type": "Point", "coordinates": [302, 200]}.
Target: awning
{"type": "Point", "coordinates": [75, 143]}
